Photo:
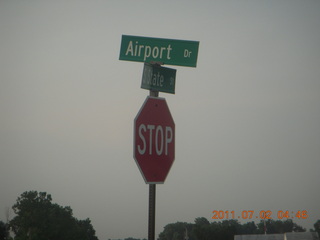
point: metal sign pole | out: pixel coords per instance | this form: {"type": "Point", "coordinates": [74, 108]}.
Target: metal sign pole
{"type": "Point", "coordinates": [152, 197]}
{"type": "Point", "coordinates": [152, 211]}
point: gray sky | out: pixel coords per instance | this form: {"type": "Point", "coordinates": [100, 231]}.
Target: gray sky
{"type": "Point", "coordinates": [247, 118]}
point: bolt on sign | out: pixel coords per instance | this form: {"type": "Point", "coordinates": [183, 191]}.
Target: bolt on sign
{"type": "Point", "coordinates": [165, 51]}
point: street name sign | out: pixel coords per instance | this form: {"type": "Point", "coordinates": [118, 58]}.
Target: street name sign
{"type": "Point", "coordinates": [165, 51]}
{"type": "Point", "coordinates": [154, 140]}
{"type": "Point", "coordinates": [157, 78]}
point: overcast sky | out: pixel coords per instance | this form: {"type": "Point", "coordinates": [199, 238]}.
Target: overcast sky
{"type": "Point", "coordinates": [247, 117]}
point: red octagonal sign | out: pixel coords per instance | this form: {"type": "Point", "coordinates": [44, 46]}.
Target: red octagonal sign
{"type": "Point", "coordinates": [154, 137]}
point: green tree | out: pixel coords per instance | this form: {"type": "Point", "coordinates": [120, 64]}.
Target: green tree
{"type": "Point", "coordinates": [37, 218]}
{"type": "Point", "coordinates": [249, 228]}
{"type": "Point", "coordinates": [201, 221]}
{"type": "Point", "coordinates": [317, 227]}
{"type": "Point", "coordinates": [202, 229]}
{"type": "Point", "coordinates": [176, 231]}
{"type": "Point", "coordinates": [4, 233]}
{"type": "Point", "coordinates": [229, 228]}
{"type": "Point", "coordinates": [279, 226]}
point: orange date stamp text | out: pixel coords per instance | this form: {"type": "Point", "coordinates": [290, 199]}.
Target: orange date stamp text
{"type": "Point", "coordinates": [251, 214]}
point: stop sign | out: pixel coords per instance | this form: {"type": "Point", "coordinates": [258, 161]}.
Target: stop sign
{"type": "Point", "coordinates": [154, 137]}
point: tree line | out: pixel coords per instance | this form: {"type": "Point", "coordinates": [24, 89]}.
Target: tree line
{"type": "Point", "coordinates": [37, 218]}
{"type": "Point", "coordinates": [202, 229]}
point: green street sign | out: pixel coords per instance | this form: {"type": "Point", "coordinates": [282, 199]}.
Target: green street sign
{"type": "Point", "coordinates": [158, 78]}
{"type": "Point", "coordinates": [166, 51]}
